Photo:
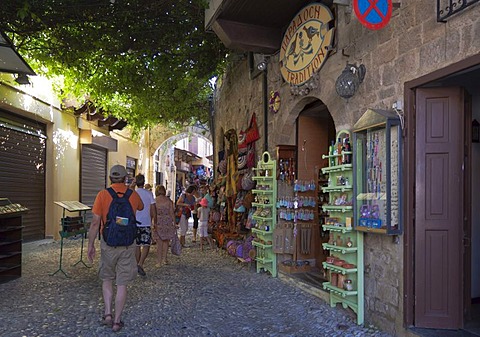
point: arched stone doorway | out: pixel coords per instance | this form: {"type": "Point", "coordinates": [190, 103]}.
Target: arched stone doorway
{"type": "Point", "coordinates": [313, 131]}
{"type": "Point", "coordinates": [179, 156]}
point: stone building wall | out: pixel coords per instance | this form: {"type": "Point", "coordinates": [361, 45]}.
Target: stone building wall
{"type": "Point", "coordinates": [413, 44]}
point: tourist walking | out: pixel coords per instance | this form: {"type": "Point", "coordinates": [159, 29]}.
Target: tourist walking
{"type": "Point", "coordinates": [164, 228]}
{"type": "Point", "coordinates": [198, 196]}
{"type": "Point", "coordinates": [145, 218]}
{"type": "Point", "coordinates": [203, 214]}
{"type": "Point", "coordinates": [116, 263]}
{"type": "Point", "coordinates": [187, 203]}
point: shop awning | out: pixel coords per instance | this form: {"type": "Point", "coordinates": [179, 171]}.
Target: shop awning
{"type": "Point", "coordinates": [185, 156]}
{"type": "Point", "coordinates": [10, 60]}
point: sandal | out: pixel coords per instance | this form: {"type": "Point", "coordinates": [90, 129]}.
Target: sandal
{"type": "Point", "coordinates": [116, 327]}
{"type": "Point", "coordinates": [107, 320]}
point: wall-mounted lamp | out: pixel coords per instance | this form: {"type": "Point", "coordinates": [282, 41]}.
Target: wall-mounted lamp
{"type": "Point", "coordinates": [262, 65]}
{"type": "Point", "coordinates": [349, 80]}
{"type": "Point", "coordinates": [22, 79]}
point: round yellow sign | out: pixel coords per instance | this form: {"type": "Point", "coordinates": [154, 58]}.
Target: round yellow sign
{"type": "Point", "coordinates": [306, 43]}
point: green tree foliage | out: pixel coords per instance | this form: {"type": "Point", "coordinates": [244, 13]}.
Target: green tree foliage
{"type": "Point", "coordinates": [146, 61]}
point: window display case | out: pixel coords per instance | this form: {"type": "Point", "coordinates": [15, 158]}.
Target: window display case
{"type": "Point", "coordinates": [377, 144]}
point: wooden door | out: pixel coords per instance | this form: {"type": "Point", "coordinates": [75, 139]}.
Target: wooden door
{"type": "Point", "coordinates": [439, 208]}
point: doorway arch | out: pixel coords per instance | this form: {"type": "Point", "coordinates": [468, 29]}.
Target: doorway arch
{"type": "Point", "coordinates": [165, 168]}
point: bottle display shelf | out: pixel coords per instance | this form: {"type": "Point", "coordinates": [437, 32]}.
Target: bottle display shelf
{"type": "Point", "coordinates": [263, 260]}
{"type": "Point", "coordinates": [338, 269]}
{"type": "Point", "coordinates": [340, 292]}
{"type": "Point", "coordinates": [337, 168]}
{"type": "Point", "coordinates": [332, 208]}
{"type": "Point", "coordinates": [260, 178]}
{"type": "Point", "coordinates": [262, 191]}
{"type": "Point", "coordinates": [326, 189]}
{"type": "Point", "coordinates": [258, 204]}
{"type": "Point", "coordinates": [339, 229]}
{"type": "Point", "coordinates": [261, 245]}
{"type": "Point", "coordinates": [260, 231]}
{"type": "Point", "coordinates": [339, 249]}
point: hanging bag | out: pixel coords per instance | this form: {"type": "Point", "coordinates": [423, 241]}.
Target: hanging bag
{"type": "Point", "coordinates": [176, 245]}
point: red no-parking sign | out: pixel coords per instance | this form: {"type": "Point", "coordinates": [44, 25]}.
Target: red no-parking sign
{"type": "Point", "coordinates": [373, 14]}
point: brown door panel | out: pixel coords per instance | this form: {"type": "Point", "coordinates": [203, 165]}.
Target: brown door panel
{"type": "Point", "coordinates": [439, 208]}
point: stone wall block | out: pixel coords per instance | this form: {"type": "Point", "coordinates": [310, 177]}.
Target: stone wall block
{"type": "Point", "coordinates": [404, 20]}
{"type": "Point", "coordinates": [373, 78]}
{"type": "Point", "coordinates": [365, 44]}
{"type": "Point", "coordinates": [432, 54]}
{"type": "Point", "coordinates": [408, 63]}
{"type": "Point", "coordinates": [387, 293]}
{"type": "Point", "coordinates": [413, 41]}
{"type": "Point", "coordinates": [389, 74]}
{"type": "Point", "coordinates": [387, 33]}
{"type": "Point", "coordinates": [432, 29]}
{"type": "Point", "coordinates": [475, 45]}
{"type": "Point", "coordinates": [387, 52]}
{"type": "Point", "coordinates": [424, 9]}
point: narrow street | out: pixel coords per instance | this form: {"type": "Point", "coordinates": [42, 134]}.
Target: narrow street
{"type": "Point", "coordinates": [198, 294]}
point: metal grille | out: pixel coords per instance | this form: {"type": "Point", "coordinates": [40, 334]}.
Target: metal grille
{"type": "Point", "coordinates": [448, 8]}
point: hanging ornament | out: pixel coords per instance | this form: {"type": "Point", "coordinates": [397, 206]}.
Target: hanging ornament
{"type": "Point", "coordinates": [274, 102]}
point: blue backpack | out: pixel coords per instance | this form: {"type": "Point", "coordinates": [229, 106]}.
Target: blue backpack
{"type": "Point", "coordinates": [121, 226]}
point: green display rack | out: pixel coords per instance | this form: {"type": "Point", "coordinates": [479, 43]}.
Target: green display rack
{"type": "Point", "coordinates": [344, 264]}
{"type": "Point", "coordinates": [265, 214]}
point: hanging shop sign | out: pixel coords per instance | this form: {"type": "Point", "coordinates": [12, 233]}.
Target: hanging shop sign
{"type": "Point", "coordinates": [306, 43]}
{"type": "Point", "coordinates": [373, 14]}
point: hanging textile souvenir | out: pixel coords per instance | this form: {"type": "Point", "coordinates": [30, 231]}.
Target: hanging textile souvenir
{"type": "Point", "coordinates": [252, 133]}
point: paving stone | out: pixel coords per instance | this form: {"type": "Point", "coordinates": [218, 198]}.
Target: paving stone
{"type": "Point", "coordinates": [199, 294]}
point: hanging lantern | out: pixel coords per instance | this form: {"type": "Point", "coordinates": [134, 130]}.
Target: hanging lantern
{"type": "Point", "coordinates": [349, 80]}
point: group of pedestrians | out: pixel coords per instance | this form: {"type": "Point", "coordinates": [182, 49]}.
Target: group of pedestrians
{"type": "Point", "coordinates": [197, 202]}
{"type": "Point", "coordinates": [155, 219]}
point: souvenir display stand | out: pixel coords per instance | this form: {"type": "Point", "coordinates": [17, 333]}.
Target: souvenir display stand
{"type": "Point", "coordinates": [10, 240]}
{"type": "Point", "coordinates": [284, 240]}
{"type": "Point", "coordinates": [72, 226]}
{"type": "Point", "coordinates": [265, 214]}
{"type": "Point", "coordinates": [344, 265]}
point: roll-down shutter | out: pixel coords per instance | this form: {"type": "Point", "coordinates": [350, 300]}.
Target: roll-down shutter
{"type": "Point", "coordinates": [22, 169]}
{"type": "Point", "coordinates": [94, 174]}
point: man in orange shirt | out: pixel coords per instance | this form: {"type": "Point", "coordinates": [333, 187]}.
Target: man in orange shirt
{"type": "Point", "coordinates": [116, 263]}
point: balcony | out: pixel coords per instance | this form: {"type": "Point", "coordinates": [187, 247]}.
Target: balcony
{"type": "Point", "coordinates": [251, 26]}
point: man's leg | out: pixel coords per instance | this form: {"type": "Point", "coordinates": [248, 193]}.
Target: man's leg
{"type": "Point", "coordinates": [144, 253]}
{"type": "Point", "coordinates": [120, 299]}
{"type": "Point", "coordinates": [195, 226]}
{"type": "Point", "coordinates": [145, 241]}
{"type": "Point", "coordinates": [138, 254]}
{"type": "Point", "coordinates": [107, 290]}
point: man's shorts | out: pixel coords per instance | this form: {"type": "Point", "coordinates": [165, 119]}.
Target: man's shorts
{"type": "Point", "coordinates": [144, 236]}
{"type": "Point", "coordinates": [117, 263]}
